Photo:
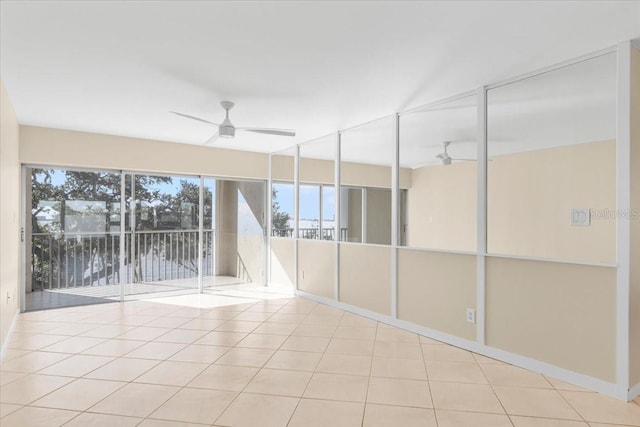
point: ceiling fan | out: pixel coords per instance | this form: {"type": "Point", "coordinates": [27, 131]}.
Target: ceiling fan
{"type": "Point", "coordinates": [446, 159]}
{"type": "Point", "coordinates": [226, 129]}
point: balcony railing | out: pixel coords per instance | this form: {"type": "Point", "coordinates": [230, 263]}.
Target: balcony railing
{"type": "Point", "coordinates": [310, 233]}
{"type": "Point", "coordinates": [67, 260]}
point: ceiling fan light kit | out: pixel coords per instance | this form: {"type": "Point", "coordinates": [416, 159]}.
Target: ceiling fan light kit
{"type": "Point", "coordinates": [227, 130]}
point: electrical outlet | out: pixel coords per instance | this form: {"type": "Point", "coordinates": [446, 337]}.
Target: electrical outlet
{"type": "Point", "coordinates": [471, 315]}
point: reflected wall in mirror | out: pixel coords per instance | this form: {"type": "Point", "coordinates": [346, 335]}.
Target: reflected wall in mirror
{"type": "Point", "coordinates": [317, 189]}
{"type": "Point", "coordinates": [552, 170]}
{"type": "Point", "coordinates": [438, 159]}
{"type": "Point", "coordinates": [366, 156]}
{"type": "Point", "coordinates": [282, 193]}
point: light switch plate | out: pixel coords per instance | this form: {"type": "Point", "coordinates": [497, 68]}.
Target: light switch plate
{"type": "Point", "coordinates": [580, 217]}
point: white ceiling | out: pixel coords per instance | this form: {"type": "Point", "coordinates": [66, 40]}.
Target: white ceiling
{"type": "Point", "coordinates": [118, 67]}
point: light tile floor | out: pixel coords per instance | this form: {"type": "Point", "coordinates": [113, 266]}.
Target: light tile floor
{"type": "Point", "coordinates": [253, 356]}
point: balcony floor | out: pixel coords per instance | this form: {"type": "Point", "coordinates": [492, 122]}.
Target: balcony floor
{"type": "Point", "coordinates": [69, 297]}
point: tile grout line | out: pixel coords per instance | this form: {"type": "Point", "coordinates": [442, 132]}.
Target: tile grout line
{"type": "Point", "coordinates": [366, 396]}
{"type": "Point", "coordinates": [265, 363]}
{"type": "Point", "coordinates": [426, 372]}
{"type": "Point", "coordinates": [212, 363]}
{"type": "Point", "coordinates": [246, 334]}
{"type": "Point", "coordinates": [114, 358]}
{"type": "Point", "coordinates": [314, 369]}
{"type": "Point", "coordinates": [493, 390]}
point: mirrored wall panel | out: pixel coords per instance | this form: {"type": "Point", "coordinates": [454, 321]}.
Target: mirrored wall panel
{"type": "Point", "coordinates": [366, 158]}
{"type": "Point", "coordinates": [282, 193]}
{"type": "Point", "coordinates": [317, 189]}
{"type": "Point", "coordinates": [438, 176]}
{"type": "Point", "coordinates": [552, 164]}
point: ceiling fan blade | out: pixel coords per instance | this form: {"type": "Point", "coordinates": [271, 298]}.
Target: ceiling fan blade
{"type": "Point", "coordinates": [442, 156]}
{"type": "Point", "coordinates": [193, 118]}
{"type": "Point", "coordinates": [212, 139]}
{"type": "Point", "coordinates": [280, 132]}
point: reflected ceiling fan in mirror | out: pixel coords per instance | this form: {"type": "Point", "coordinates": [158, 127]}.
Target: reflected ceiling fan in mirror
{"type": "Point", "coordinates": [446, 159]}
{"type": "Point", "coordinates": [227, 130]}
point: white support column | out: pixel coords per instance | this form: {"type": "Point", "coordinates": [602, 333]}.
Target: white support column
{"type": "Point", "coordinates": [320, 214]}
{"type": "Point", "coordinates": [132, 225]}
{"type": "Point", "coordinates": [337, 236]}
{"type": "Point", "coordinates": [296, 208]}
{"type": "Point", "coordinates": [623, 220]}
{"type": "Point", "coordinates": [363, 215]}
{"type": "Point", "coordinates": [481, 100]}
{"type": "Point", "coordinates": [25, 215]}
{"type": "Point", "coordinates": [200, 235]}
{"type": "Point", "coordinates": [395, 211]}
{"type": "Point", "coordinates": [269, 225]}
{"type": "Point", "coordinates": [123, 233]}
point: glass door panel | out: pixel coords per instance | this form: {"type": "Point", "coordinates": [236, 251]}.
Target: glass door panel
{"type": "Point", "coordinates": [166, 234]}
{"type": "Point", "coordinates": [208, 232]}
{"type": "Point", "coordinates": [74, 236]}
{"type": "Point", "coordinates": [251, 221]}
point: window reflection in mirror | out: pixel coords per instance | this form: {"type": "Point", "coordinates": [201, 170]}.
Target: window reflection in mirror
{"type": "Point", "coordinates": [282, 193]}
{"type": "Point", "coordinates": [366, 156]}
{"type": "Point", "coordinates": [317, 199]}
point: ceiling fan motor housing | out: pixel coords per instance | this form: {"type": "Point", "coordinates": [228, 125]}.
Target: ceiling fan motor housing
{"type": "Point", "coordinates": [226, 129]}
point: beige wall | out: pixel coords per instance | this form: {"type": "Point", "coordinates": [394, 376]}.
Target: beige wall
{"type": "Point", "coordinates": [634, 346]}
{"type": "Point", "coordinates": [354, 215]}
{"type": "Point", "coordinates": [435, 290]}
{"type": "Point", "coordinates": [365, 277]}
{"type": "Point", "coordinates": [90, 150]}
{"type": "Point", "coordinates": [316, 267]}
{"type": "Point", "coordinates": [9, 214]}
{"type": "Point", "coordinates": [530, 197]}
{"type": "Point", "coordinates": [379, 216]}
{"type": "Point", "coordinates": [239, 230]}
{"type": "Point", "coordinates": [531, 194]}
{"type": "Point", "coordinates": [363, 175]}
{"type": "Point", "coordinates": [561, 314]}
{"type": "Point", "coordinates": [283, 261]}
{"type": "Point", "coordinates": [315, 171]}
{"type": "Point", "coordinates": [226, 238]}
{"type": "Point", "coordinates": [251, 237]}
{"type": "Point", "coordinates": [442, 206]}
{"type": "Point", "coordinates": [282, 168]}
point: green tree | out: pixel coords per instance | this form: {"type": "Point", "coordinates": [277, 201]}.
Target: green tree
{"type": "Point", "coordinates": [53, 252]}
{"type": "Point", "coordinates": [186, 204]}
{"type": "Point", "coordinates": [279, 218]}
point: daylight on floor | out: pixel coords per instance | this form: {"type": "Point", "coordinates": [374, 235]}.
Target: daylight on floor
{"type": "Point", "coordinates": [346, 213]}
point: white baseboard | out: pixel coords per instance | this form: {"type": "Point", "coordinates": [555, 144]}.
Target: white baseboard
{"type": "Point", "coordinates": [581, 380]}
{"type": "Point", "coordinates": [5, 344]}
{"type": "Point", "coordinates": [634, 392]}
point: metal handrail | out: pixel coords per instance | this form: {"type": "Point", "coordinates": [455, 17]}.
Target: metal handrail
{"type": "Point", "coordinates": [78, 259]}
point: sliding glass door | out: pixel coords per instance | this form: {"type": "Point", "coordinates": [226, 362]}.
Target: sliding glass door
{"type": "Point", "coordinates": [98, 236]}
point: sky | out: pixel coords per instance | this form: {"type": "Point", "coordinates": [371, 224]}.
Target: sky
{"type": "Point", "coordinates": [309, 201]}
